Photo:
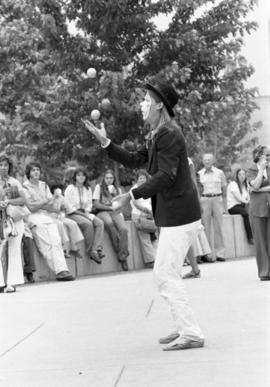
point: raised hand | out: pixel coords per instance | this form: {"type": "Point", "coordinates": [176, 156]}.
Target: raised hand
{"type": "Point", "coordinates": [100, 134]}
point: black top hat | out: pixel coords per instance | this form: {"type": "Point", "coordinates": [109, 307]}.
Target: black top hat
{"type": "Point", "coordinates": [166, 93]}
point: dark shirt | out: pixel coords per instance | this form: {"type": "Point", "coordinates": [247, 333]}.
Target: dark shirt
{"type": "Point", "coordinates": [259, 201]}
{"type": "Point", "coordinates": [172, 191]}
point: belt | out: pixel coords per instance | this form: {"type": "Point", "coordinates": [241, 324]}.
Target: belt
{"type": "Point", "coordinates": [211, 195]}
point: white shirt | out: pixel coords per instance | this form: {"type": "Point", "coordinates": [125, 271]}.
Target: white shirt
{"type": "Point", "coordinates": [78, 198]}
{"type": "Point", "coordinates": [234, 196]}
{"type": "Point", "coordinates": [145, 203]}
{"type": "Point", "coordinates": [212, 180]}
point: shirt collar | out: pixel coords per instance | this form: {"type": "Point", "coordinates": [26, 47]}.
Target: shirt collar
{"type": "Point", "coordinates": [209, 170]}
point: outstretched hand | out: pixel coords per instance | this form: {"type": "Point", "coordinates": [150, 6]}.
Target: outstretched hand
{"type": "Point", "coordinates": [100, 134]}
{"type": "Point", "coordinates": [120, 201]}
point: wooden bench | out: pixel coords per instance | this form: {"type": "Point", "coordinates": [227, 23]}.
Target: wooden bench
{"type": "Point", "coordinates": [236, 246]}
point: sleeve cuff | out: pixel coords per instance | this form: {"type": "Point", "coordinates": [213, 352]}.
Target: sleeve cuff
{"type": "Point", "coordinates": [106, 144]}
{"type": "Point", "coordinates": [131, 194]}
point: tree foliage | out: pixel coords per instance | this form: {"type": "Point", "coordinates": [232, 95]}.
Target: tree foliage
{"type": "Point", "coordinates": [44, 90]}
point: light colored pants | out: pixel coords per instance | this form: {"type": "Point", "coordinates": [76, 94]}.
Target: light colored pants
{"type": "Point", "coordinates": [200, 246]}
{"type": "Point", "coordinates": [92, 229]}
{"type": "Point", "coordinates": [48, 242]}
{"type": "Point", "coordinates": [2, 281]}
{"type": "Point", "coordinates": [173, 245]}
{"type": "Point", "coordinates": [261, 233]}
{"type": "Point", "coordinates": [213, 207]}
{"type": "Point", "coordinates": [148, 250]}
{"type": "Point", "coordinates": [70, 233]}
{"type": "Point", "coordinates": [115, 225]}
{"type": "Point", "coordinates": [14, 259]}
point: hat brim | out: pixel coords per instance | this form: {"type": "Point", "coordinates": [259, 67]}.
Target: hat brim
{"type": "Point", "coordinates": [148, 86]}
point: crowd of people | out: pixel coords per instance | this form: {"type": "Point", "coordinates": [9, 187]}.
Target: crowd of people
{"type": "Point", "coordinates": [55, 219]}
{"type": "Point", "coordinates": [169, 196]}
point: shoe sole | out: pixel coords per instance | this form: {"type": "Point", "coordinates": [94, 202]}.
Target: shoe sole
{"type": "Point", "coordinates": [189, 345]}
{"type": "Point", "coordinates": [169, 339]}
{"type": "Point", "coordinates": [188, 276]}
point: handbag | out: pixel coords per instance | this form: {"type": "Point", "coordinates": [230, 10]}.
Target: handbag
{"type": "Point", "coordinates": [7, 226]}
{"type": "Point", "coordinates": [145, 224]}
{"type": "Point", "coordinates": [17, 212]}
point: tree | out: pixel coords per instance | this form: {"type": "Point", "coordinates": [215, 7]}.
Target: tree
{"type": "Point", "coordinates": [45, 91]}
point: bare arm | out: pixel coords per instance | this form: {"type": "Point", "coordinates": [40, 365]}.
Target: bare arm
{"type": "Point", "coordinates": [100, 206]}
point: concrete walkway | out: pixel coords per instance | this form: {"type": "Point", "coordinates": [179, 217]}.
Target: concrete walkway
{"type": "Point", "coordinates": [102, 332]}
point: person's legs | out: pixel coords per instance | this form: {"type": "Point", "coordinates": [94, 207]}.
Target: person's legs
{"type": "Point", "coordinates": [98, 234]}
{"type": "Point", "coordinates": [87, 229]}
{"type": "Point", "coordinates": [268, 241]}
{"type": "Point", "coordinates": [261, 232]}
{"type": "Point", "coordinates": [109, 226]}
{"type": "Point", "coordinates": [217, 225]}
{"type": "Point", "coordinates": [48, 242]}
{"type": "Point", "coordinates": [237, 209]}
{"type": "Point", "coordinates": [74, 233]}
{"type": "Point", "coordinates": [28, 257]}
{"type": "Point", "coordinates": [15, 268]}
{"type": "Point", "coordinates": [120, 224]}
{"type": "Point", "coordinates": [174, 243]}
{"type": "Point", "coordinates": [147, 248]}
{"type": "Point", "coordinates": [207, 209]}
{"type": "Point", "coordinates": [195, 271]}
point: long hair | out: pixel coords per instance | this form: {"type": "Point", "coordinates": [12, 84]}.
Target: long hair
{"type": "Point", "coordinates": [164, 114]}
{"type": "Point", "coordinates": [4, 157]}
{"type": "Point", "coordinates": [103, 186]}
{"type": "Point", "coordinates": [83, 171]}
{"type": "Point", "coordinates": [238, 182]}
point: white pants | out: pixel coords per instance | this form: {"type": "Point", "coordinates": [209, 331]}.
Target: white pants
{"type": "Point", "coordinates": [14, 259]}
{"type": "Point", "coordinates": [173, 245]}
{"type": "Point", "coordinates": [2, 281]}
{"type": "Point", "coordinates": [48, 242]}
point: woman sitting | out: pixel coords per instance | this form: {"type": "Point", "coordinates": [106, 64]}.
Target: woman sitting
{"type": "Point", "coordinates": [43, 227]}
{"type": "Point", "coordinates": [114, 221]}
{"type": "Point", "coordinates": [11, 194]}
{"type": "Point", "coordinates": [142, 208]}
{"type": "Point", "coordinates": [72, 229]}
{"type": "Point", "coordinates": [78, 197]}
{"type": "Point", "coordinates": [238, 200]}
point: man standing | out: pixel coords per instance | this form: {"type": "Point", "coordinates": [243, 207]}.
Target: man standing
{"type": "Point", "coordinates": [213, 202]}
{"type": "Point", "coordinates": [175, 204]}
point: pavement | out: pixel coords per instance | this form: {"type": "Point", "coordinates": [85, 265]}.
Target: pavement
{"type": "Point", "coordinates": [102, 331]}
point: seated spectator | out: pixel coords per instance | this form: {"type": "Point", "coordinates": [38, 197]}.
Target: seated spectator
{"type": "Point", "coordinates": [238, 200]}
{"type": "Point", "coordinates": [43, 227]}
{"type": "Point", "coordinates": [142, 208]}
{"type": "Point", "coordinates": [78, 198]}
{"type": "Point", "coordinates": [11, 195]}
{"type": "Point", "coordinates": [72, 229]}
{"type": "Point", "coordinates": [113, 220]}
{"type": "Point", "coordinates": [28, 254]}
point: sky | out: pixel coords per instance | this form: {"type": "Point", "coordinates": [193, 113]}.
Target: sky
{"type": "Point", "coordinates": [256, 49]}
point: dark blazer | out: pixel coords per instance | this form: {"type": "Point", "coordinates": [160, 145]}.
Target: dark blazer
{"type": "Point", "coordinates": [172, 191]}
{"type": "Point", "coordinates": [259, 201]}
